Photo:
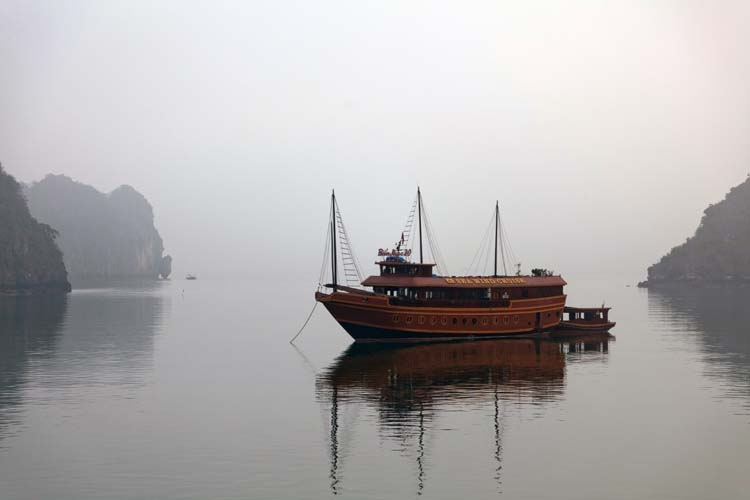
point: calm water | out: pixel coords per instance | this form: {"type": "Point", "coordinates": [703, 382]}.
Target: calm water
{"type": "Point", "coordinates": [190, 390]}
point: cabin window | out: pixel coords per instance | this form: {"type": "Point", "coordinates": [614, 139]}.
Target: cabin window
{"type": "Point", "coordinates": [525, 294]}
{"type": "Point", "coordinates": [455, 320]}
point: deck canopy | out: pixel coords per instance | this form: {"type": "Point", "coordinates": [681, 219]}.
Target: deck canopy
{"type": "Point", "coordinates": [463, 281]}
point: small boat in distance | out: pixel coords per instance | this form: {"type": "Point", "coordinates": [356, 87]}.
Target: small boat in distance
{"type": "Point", "coordinates": [409, 301]}
{"type": "Point", "coordinates": [190, 277]}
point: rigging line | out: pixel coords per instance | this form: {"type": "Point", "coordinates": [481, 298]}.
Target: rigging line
{"type": "Point", "coordinates": [479, 249]}
{"type": "Point", "coordinates": [506, 240]}
{"type": "Point", "coordinates": [487, 256]}
{"type": "Point", "coordinates": [431, 242]}
{"type": "Point", "coordinates": [305, 323]}
{"type": "Point", "coordinates": [434, 247]}
{"type": "Point", "coordinates": [409, 224]}
{"type": "Point", "coordinates": [345, 244]}
{"type": "Point", "coordinates": [502, 246]}
{"type": "Point", "coordinates": [324, 267]}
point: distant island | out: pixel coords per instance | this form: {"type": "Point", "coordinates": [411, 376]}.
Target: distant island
{"type": "Point", "coordinates": [718, 252]}
{"type": "Point", "coordinates": [101, 235]}
{"type": "Point", "coordinates": [30, 260]}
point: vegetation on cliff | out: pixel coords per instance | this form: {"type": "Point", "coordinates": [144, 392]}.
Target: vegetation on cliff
{"type": "Point", "coordinates": [30, 261]}
{"type": "Point", "coordinates": [101, 235]}
{"type": "Point", "coordinates": [720, 248]}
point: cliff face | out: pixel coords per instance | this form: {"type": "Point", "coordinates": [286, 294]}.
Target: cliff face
{"type": "Point", "coordinates": [30, 261]}
{"type": "Point", "coordinates": [101, 235]}
{"type": "Point", "coordinates": [720, 248]}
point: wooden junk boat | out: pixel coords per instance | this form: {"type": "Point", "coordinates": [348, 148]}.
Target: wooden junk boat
{"type": "Point", "coordinates": [409, 301]}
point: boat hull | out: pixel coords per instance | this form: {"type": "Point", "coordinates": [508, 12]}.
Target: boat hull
{"type": "Point", "coordinates": [363, 333]}
{"type": "Point", "coordinates": [371, 317]}
{"type": "Point", "coordinates": [585, 326]}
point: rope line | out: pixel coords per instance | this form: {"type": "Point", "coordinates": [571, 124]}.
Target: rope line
{"type": "Point", "coordinates": [305, 324]}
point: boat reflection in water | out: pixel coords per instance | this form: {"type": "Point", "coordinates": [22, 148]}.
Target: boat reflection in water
{"type": "Point", "coordinates": [409, 385]}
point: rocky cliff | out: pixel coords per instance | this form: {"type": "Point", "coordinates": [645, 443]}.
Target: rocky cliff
{"type": "Point", "coordinates": [101, 235]}
{"type": "Point", "coordinates": [720, 248]}
{"type": "Point", "coordinates": [30, 261]}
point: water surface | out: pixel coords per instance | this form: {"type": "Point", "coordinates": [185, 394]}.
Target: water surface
{"type": "Point", "coordinates": [190, 390]}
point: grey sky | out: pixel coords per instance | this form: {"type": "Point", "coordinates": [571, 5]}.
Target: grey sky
{"type": "Point", "coordinates": [604, 128]}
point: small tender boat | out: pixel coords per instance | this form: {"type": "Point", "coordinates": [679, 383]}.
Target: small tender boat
{"type": "Point", "coordinates": [588, 319]}
{"type": "Point", "coordinates": [190, 277]}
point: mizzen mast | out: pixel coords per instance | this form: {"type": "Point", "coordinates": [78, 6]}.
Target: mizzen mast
{"type": "Point", "coordinates": [419, 220]}
{"type": "Point", "coordinates": [497, 223]}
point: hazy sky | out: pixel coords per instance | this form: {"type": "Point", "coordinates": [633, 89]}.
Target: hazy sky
{"type": "Point", "coordinates": [604, 128]}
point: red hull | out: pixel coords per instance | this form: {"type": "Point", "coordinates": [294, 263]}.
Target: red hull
{"type": "Point", "coordinates": [367, 316]}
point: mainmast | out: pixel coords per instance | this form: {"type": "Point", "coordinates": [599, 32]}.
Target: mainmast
{"type": "Point", "coordinates": [334, 270]}
{"type": "Point", "coordinates": [419, 220]}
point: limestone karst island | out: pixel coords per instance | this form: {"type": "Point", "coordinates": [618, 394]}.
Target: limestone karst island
{"type": "Point", "coordinates": [719, 251]}
{"type": "Point", "coordinates": [58, 230]}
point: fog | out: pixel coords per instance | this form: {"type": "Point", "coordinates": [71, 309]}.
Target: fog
{"type": "Point", "coordinates": [603, 128]}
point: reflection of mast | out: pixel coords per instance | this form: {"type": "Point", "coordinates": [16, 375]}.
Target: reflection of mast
{"type": "Point", "coordinates": [498, 442]}
{"type": "Point", "coordinates": [334, 441]}
{"type": "Point", "coordinates": [420, 456]}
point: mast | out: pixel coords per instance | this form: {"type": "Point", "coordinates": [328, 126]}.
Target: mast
{"type": "Point", "coordinates": [497, 221]}
{"type": "Point", "coordinates": [334, 270]}
{"type": "Point", "coordinates": [419, 219]}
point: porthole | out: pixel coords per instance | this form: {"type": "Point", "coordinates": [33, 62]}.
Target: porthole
{"type": "Point", "coordinates": [464, 321]}
{"type": "Point", "coordinates": [495, 320]}
{"type": "Point", "coordinates": [444, 320]}
{"type": "Point", "coordinates": [484, 321]}
{"type": "Point", "coordinates": [433, 320]}
{"type": "Point", "coordinates": [421, 320]}
{"type": "Point", "coordinates": [506, 320]}
{"type": "Point", "coordinates": [396, 318]}
{"type": "Point", "coordinates": [455, 320]}
{"type": "Point", "coordinates": [515, 319]}
{"type": "Point", "coordinates": [473, 321]}
{"type": "Point", "coordinates": [409, 320]}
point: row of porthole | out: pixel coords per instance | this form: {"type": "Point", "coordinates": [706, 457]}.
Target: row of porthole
{"type": "Point", "coordinates": [409, 319]}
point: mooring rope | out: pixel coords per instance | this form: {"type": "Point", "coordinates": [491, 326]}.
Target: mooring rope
{"type": "Point", "coordinates": [305, 324]}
